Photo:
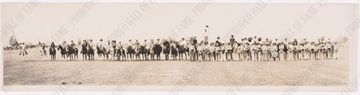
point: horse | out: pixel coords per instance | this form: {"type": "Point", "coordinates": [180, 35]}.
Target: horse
{"type": "Point", "coordinates": [151, 51]}
{"type": "Point", "coordinates": [113, 52]}
{"type": "Point", "coordinates": [107, 53]}
{"type": "Point", "coordinates": [62, 51]}
{"type": "Point", "coordinates": [100, 51]}
{"type": "Point", "coordinates": [137, 52]}
{"type": "Point", "coordinates": [130, 52]}
{"type": "Point", "coordinates": [192, 52]}
{"type": "Point", "coordinates": [70, 52]}
{"type": "Point", "coordinates": [76, 53]}
{"type": "Point", "coordinates": [120, 53]}
{"type": "Point", "coordinates": [52, 52]}
{"type": "Point", "coordinates": [90, 52]}
{"type": "Point", "coordinates": [166, 49]}
{"type": "Point", "coordinates": [182, 52]}
{"type": "Point", "coordinates": [174, 51]}
{"type": "Point", "coordinates": [84, 51]}
{"type": "Point", "coordinates": [110, 52]}
{"type": "Point", "coordinates": [144, 52]}
{"type": "Point", "coordinates": [157, 50]}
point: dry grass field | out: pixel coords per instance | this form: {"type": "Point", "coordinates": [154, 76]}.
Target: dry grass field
{"type": "Point", "coordinates": [38, 70]}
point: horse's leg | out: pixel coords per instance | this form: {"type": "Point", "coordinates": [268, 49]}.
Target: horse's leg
{"type": "Point", "coordinates": [182, 56]}
{"type": "Point", "coordinates": [153, 56]}
{"type": "Point", "coordinates": [173, 56]}
{"type": "Point", "coordinates": [144, 56]}
{"type": "Point", "coordinates": [92, 56]}
{"type": "Point", "coordinates": [71, 57]}
{"type": "Point", "coordinates": [157, 56]}
{"type": "Point", "coordinates": [84, 57]}
{"type": "Point", "coordinates": [168, 56]}
{"type": "Point", "coordinates": [122, 55]}
{"type": "Point", "coordinates": [136, 56]}
{"type": "Point", "coordinates": [128, 56]}
{"type": "Point", "coordinates": [106, 56]}
{"type": "Point", "coordinates": [131, 56]}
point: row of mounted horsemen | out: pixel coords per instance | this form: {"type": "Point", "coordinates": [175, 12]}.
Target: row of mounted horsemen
{"type": "Point", "coordinates": [247, 49]}
{"type": "Point", "coordinates": [111, 50]}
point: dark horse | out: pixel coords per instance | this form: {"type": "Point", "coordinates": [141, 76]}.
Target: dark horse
{"type": "Point", "coordinates": [90, 52]}
{"type": "Point", "coordinates": [84, 50]}
{"type": "Point", "coordinates": [76, 53]}
{"type": "Point", "coordinates": [52, 51]}
{"type": "Point", "coordinates": [120, 53]}
{"type": "Point", "coordinates": [166, 50]}
{"type": "Point", "coordinates": [174, 51]}
{"type": "Point", "coordinates": [130, 52]}
{"type": "Point", "coordinates": [183, 51]}
{"type": "Point", "coordinates": [157, 50]}
{"type": "Point", "coordinates": [71, 52]}
{"type": "Point", "coordinates": [144, 52]}
{"type": "Point", "coordinates": [101, 51]}
{"type": "Point", "coordinates": [62, 51]}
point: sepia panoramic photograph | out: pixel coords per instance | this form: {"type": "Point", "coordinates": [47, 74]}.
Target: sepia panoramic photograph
{"type": "Point", "coordinates": [200, 44]}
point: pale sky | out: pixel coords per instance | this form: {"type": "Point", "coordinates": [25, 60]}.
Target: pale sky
{"type": "Point", "coordinates": [158, 21]}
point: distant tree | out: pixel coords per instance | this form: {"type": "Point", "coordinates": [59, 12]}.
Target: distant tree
{"type": "Point", "coordinates": [13, 42]}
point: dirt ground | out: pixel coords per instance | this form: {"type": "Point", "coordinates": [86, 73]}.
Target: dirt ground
{"type": "Point", "coordinates": [38, 70]}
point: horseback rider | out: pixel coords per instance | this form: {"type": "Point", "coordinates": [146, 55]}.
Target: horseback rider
{"type": "Point", "coordinates": [101, 47]}
{"type": "Point", "coordinates": [84, 49]}
{"type": "Point", "coordinates": [218, 44]}
{"type": "Point", "coordinates": [52, 51]}
{"type": "Point", "coordinates": [91, 49]}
